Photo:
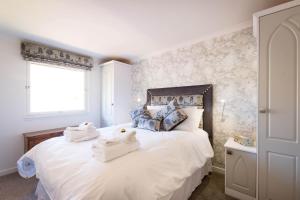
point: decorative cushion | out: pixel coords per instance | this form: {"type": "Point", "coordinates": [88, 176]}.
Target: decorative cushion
{"type": "Point", "coordinates": [154, 109]}
{"type": "Point", "coordinates": [166, 110]}
{"type": "Point", "coordinates": [138, 113]}
{"type": "Point", "coordinates": [184, 100]}
{"type": "Point", "coordinates": [174, 119]}
{"type": "Point", "coordinates": [150, 124]}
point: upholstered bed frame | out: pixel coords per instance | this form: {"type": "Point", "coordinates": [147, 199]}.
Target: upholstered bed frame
{"type": "Point", "coordinates": [192, 92]}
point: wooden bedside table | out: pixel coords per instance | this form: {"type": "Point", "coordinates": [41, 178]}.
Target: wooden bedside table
{"type": "Point", "coordinates": [240, 170]}
{"type": "Point", "coordinates": [33, 138]}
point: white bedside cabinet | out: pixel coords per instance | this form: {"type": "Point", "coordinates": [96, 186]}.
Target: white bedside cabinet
{"type": "Point", "coordinates": [240, 170]}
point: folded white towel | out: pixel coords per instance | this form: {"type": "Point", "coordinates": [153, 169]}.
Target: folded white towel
{"type": "Point", "coordinates": [78, 136]}
{"type": "Point", "coordinates": [108, 141]}
{"type": "Point", "coordinates": [127, 137]}
{"type": "Point", "coordinates": [83, 132]}
{"type": "Point", "coordinates": [107, 153]}
{"type": "Point", "coordinates": [86, 126]}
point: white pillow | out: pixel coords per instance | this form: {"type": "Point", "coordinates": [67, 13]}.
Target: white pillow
{"type": "Point", "coordinates": [195, 118]}
{"type": "Point", "coordinates": [154, 109]}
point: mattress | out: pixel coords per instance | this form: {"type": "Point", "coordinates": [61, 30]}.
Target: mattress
{"type": "Point", "coordinates": [162, 165]}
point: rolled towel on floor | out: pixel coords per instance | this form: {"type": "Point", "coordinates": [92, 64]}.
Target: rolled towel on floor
{"type": "Point", "coordinates": [107, 153]}
{"type": "Point", "coordinates": [26, 167]}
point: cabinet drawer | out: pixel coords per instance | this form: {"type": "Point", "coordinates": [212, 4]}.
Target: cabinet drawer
{"type": "Point", "coordinates": [241, 171]}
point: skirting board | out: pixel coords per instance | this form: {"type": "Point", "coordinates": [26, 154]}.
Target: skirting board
{"type": "Point", "coordinates": [8, 171]}
{"type": "Point", "coordinates": [219, 170]}
{"type": "Point", "coordinates": [238, 195]}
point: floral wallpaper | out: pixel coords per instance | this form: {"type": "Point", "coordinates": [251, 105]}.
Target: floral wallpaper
{"type": "Point", "coordinates": [229, 62]}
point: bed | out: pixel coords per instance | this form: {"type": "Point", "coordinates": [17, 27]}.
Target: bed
{"type": "Point", "coordinates": [168, 165]}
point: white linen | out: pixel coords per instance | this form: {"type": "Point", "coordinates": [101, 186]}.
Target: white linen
{"type": "Point", "coordinates": [83, 132]}
{"type": "Point", "coordinates": [79, 136]}
{"type": "Point", "coordinates": [118, 137]}
{"type": "Point", "coordinates": [158, 168]}
{"type": "Point", "coordinates": [107, 153]}
{"type": "Point", "coordinates": [191, 183]}
{"type": "Point", "coordinates": [85, 126]}
{"type": "Point", "coordinates": [109, 148]}
{"type": "Point", "coordinates": [182, 193]}
{"type": "Point", "coordinates": [195, 118]}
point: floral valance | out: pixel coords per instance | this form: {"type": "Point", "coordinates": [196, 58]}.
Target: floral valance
{"type": "Point", "coordinates": [42, 53]}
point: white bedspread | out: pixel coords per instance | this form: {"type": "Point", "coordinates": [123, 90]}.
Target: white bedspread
{"type": "Point", "coordinates": [161, 165]}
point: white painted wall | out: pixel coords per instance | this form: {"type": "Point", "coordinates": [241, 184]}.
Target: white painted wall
{"type": "Point", "coordinates": [13, 104]}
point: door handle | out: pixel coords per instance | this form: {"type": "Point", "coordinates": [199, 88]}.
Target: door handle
{"type": "Point", "coordinates": [229, 152]}
{"type": "Point", "coordinates": [263, 111]}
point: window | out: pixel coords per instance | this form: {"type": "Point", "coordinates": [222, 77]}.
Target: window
{"type": "Point", "coordinates": [55, 89]}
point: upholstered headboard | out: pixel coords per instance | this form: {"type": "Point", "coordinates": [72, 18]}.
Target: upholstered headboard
{"type": "Point", "coordinates": [196, 95]}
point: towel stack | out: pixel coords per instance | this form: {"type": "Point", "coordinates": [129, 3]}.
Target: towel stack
{"type": "Point", "coordinates": [83, 132]}
{"type": "Point", "coordinates": [106, 149]}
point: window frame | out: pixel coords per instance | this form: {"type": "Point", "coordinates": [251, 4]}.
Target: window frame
{"type": "Point", "coordinates": [31, 115]}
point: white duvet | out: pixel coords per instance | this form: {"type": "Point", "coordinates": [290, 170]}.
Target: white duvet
{"type": "Point", "coordinates": [160, 166]}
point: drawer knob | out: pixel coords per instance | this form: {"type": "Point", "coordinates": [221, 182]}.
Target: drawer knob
{"type": "Point", "coordinates": [229, 152]}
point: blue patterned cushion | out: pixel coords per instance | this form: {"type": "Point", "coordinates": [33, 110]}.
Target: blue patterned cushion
{"type": "Point", "coordinates": [137, 113]}
{"type": "Point", "coordinates": [165, 111]}
{"type": "Point", "coordinates": [174, 119]}
{"type": "Point", "coordinates": [184, 100]}
{"type": "Point", "coordinates": [150, 124]}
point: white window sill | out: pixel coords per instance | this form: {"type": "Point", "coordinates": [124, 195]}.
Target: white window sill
{"type": "Point", "coordinates": [32, 116]}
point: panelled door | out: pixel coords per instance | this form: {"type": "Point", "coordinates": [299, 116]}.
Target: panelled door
{"type": "Point", "coordinates": [107, 93]}
{"type": "Point", "coordinates": [278, 121]}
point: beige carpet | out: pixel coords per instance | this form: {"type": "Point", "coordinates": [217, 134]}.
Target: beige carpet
{"type": "Point", "coordinates": [13, 187]}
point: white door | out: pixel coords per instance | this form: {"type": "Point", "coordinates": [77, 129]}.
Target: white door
{"type": "Point", "coordinates": [107, 95]}
{"type": "Point", "coordinates": [278, 121]}
{"type": "Point", "coordinates": [122, 91]}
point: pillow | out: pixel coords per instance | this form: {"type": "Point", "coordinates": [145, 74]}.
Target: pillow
{"type": "Point", "coordinates": [138, 113]}
{"type": "Point", "coordinates": [166, 110]}
{"type": "Point", "coordinates": [194, 120]}
{"type": "Point", "coordinates": [154, 109]}
{"type": "Point", "coordinates": [174, 119]}
{"type": "Point", "coordinates": [150, 124]}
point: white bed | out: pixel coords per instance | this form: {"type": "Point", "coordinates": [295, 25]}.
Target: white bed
{"type": "Point", "coordinates": [168, 165]}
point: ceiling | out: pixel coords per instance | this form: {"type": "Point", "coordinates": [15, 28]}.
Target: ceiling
{"type": "Point", "coordinates": [127, 29]}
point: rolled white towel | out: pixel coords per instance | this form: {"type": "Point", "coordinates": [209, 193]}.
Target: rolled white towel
{"type": "Point", "coordinates": [26, 167]}
{"type": "Point", "coordinates": [106, 153]}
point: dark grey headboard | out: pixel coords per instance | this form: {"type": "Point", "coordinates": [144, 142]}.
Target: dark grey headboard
{"type": "Point", "coordinates": [196, 90]}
